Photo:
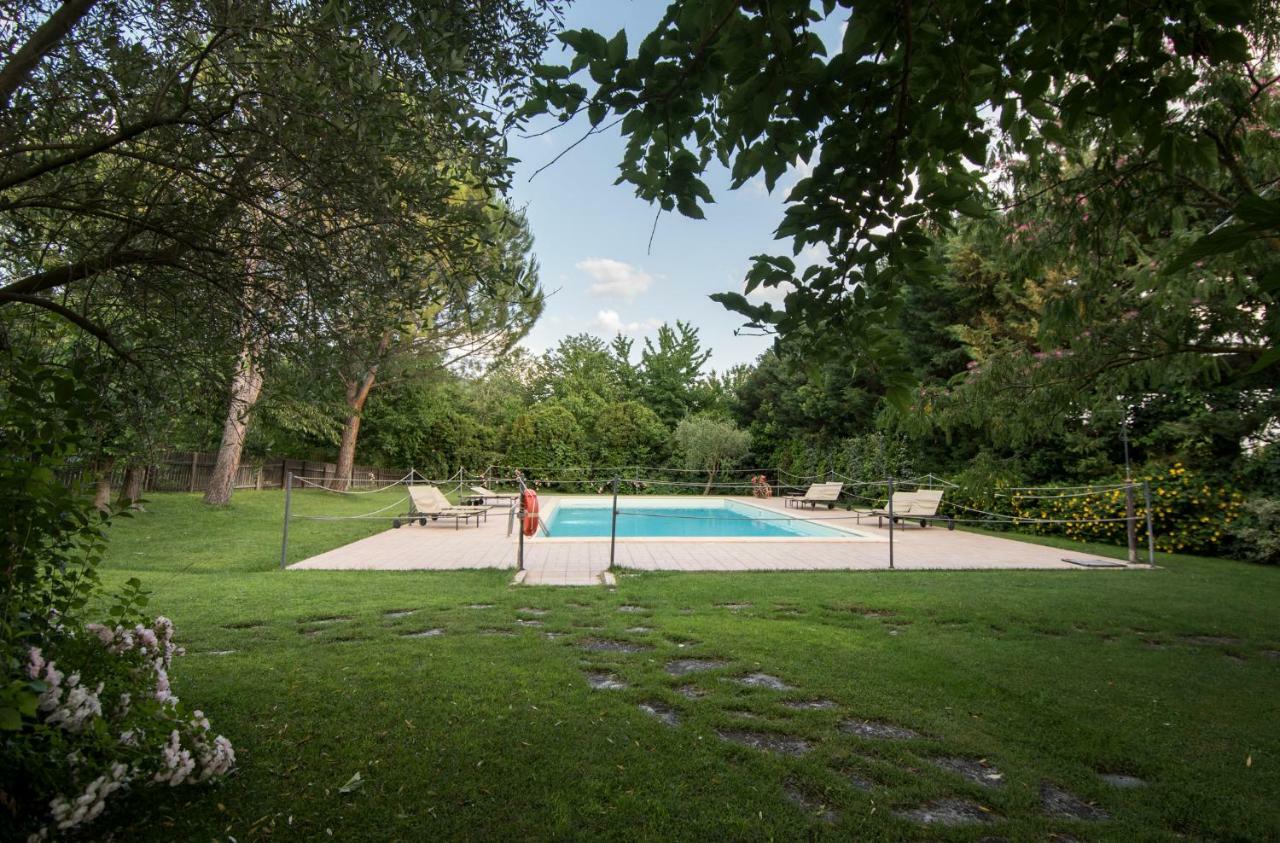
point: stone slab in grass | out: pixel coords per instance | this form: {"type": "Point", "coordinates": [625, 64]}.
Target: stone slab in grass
{"type": "Point", "coordinates": [399, 613]}
{"type": "Point", "coordinates": [767, 741]}
{"type": "Point", "coordinates": [762, 680]}
{"type": "Point", "coordinates": [639, 630]}
{"type": "Point", "coordinates": [1274, 655]}
{"type": "Point", "coordinates": [218, 652]}
{"type": "Point", "coordinates": [809, 805]}
{"type": "Point", "coordinates": [1123, 781]}
{"type": "Point", "coordinates": [603, 681]}
{"type": "Point", "coordinates": [1060, 803]}
{"type": "Point", "coordinates": [1210, 640]}
{"type": "Point", "coordinates": [976, 770]}
{"type": "Point", "coordinates": [632, 609]}
{"type": "Point", "coordinates": [858, 781]}
{"type": "Point", "coordinates": [948, 812]}
{"type": "Point", "coordinates": [527, 622]}
{"type": "Point", "coordinates": [325, 620]}
{"type": "Point", "coordinates": [691, 692]}
{"type": "Point", "coordinates": [423, 633]}
{"type": "Point", "coordinates": [683, 667]}
{"type": "Point", "coordinates": [665, 713]}
{"type": "Point", "coordinates": [809, 705]}
{"type": "Point", "coordinates": [608, 645]}
{"type": "Point", "coordinates": [479, 605]}
{"type": "Point", "coordinates": [501, 633]}
{"type": "Point", "coordinates": [554, 635]}
{"type": "Point", "coordinates": [734, 607]}
{"type": "Point", "coordinates": [529, 610]}
{"type": "Point", "coordinates": [244, 625]}
{"type": "Point", "coordinates": [877, 730]}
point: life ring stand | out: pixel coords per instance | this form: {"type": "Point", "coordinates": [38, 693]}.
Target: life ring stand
{"type": "Point", "coordinates": [529, 501]}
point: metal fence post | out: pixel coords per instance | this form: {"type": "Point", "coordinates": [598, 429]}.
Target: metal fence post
{"type": "Point", "coordinates": [1151, 534]}
{"type": "Point", "coordinates": [288, 501]}
{"type": "Point", "coordinates": [1131, 523]}
{"type": "Point", "coordinates": [891, 522]}
{"type": "Point", "coordinates": [613, 524]}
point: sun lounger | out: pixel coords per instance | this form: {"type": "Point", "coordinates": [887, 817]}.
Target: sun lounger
{"type": "Point", "coordinates": [818, 493]}
{"type": "Point", "coordinates": [428, 502]}
{"type": "Point", "coordinates": [921, 506]}
{"type": "Point", "coordinates": [485, 495]}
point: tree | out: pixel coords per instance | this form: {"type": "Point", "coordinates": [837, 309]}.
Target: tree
{"type": "Point", "coordinates": [628, 433]}
{"type": "Point", "coordinates": [710, 445]}
{"type": "Point", "coordinates": [545, 442]}
{"type": "Point", "coordinates": [910, 122]}
{"type": "Point", "coordinates": [670, 371]}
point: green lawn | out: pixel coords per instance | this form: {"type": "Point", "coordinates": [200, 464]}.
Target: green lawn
{"type": "Point", "coordinates": [1048, 676]}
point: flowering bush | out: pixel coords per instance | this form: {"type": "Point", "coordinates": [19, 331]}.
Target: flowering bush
{"type": "Point", "coordinates": [105, 719]}
{"type": "Point", "coordinates": [86, 710]}
{"type": "Point", "coordinates": [1188, 513]}
{"type": "Point", "coordinates": [760, 486]}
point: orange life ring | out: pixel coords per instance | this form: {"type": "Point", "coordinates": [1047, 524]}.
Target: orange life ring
{"type": "Point", "coordinates": [530, 502]}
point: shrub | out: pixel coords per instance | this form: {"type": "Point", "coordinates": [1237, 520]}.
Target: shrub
{"type": "Point", "coordinates": [86, 711]}
{"type": "Point", "coordinates": [1257, 532]}
{"type": "Point", "coordinates": [1188, 513]}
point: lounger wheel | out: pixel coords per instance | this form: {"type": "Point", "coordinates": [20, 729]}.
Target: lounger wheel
{"type": "Point", "coordinates": [422, 522]}
{"type": "Point", "coordinates": [395, 523]}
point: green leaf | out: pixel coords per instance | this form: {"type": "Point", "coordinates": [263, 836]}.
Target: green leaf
{"type": "Point", "coordinates": [10, 719]}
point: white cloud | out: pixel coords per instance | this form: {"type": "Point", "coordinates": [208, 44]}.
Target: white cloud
{"type": "Point", "coordinates": [758, 187]}
{"type": "Point", "coordinates": [611, 323]}
{"type": "Point", "coordinates": [615, 278]}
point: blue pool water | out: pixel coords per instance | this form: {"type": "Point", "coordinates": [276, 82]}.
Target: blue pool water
{"type": "Point", "coordinates": [713, 519]}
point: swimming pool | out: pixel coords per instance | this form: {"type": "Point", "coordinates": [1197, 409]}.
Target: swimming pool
{"type": "Point", "coordinates": [713, 518]}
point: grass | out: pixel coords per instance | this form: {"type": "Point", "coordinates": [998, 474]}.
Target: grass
{"type": "Point", "coordinates": [1048, 676]}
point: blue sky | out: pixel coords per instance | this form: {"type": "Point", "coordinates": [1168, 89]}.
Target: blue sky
{"type": "Point", "coordinates": [592, 237]}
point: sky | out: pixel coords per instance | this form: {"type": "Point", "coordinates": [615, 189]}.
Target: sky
{"type": "Point", "coordinates": [591, 237]}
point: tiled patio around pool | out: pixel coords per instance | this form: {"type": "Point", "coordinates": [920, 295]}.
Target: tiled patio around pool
{"type": "Point", "coordinates": [549, 561]}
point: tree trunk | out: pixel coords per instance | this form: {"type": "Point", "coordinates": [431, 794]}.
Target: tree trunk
{"type": "Point", "coordinates": [131, 489]}
{"type": "Point", "coordinates": [711, 477]}
{"type": "Point", "coordinates": [246, 386]}
{"type": "Point", "coordinates": [357, 395]}
{"type": "Point", "coordinates": [102, 485]}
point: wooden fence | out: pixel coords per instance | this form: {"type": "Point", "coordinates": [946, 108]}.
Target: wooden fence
{"type": "Point", "coordinates": [189, 471]}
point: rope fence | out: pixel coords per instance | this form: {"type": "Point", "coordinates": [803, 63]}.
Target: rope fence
{"type": "Point", "coordinates": [864, 498]}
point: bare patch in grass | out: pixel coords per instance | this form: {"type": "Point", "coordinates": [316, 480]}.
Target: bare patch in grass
{"type": "Point", "coordinates": [245, 625]}
{"type": "Point", "coordinates": [501, 633]}
{"type": "Point", "coordinates": [809, 805]}
{"type": "Point", "coordinates": [976, 770]}
{"type": "Point", "coordinates": [665, 713]}
{"type": "Point", "coordinates": [762, 680]}
{"type": "Point", "coordinates": [683, 667]}
{"type": "Point", "coordinates": [610, 646]}
{"type": "Point", "coordinates": [767, 741]}
{"type": "Point", "coordinates": [948, 812]}
{"type": "Point", "coordinates": [325, 619]}
{"type": "Point", "coordinates": [859, 609]}
{"type": "Point", "coordinates": [1210, 640]}
{"type": "Point", "coordinates": [877, 731]}
{"type": "Point", "coordinates": [1123, 781]}
{"type": "Point", "coordinates": [809, 705]}
{"type": "Point", "coordinates": [603, 681]}
{"type": "Point", "coordinates": [1060, 803]}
